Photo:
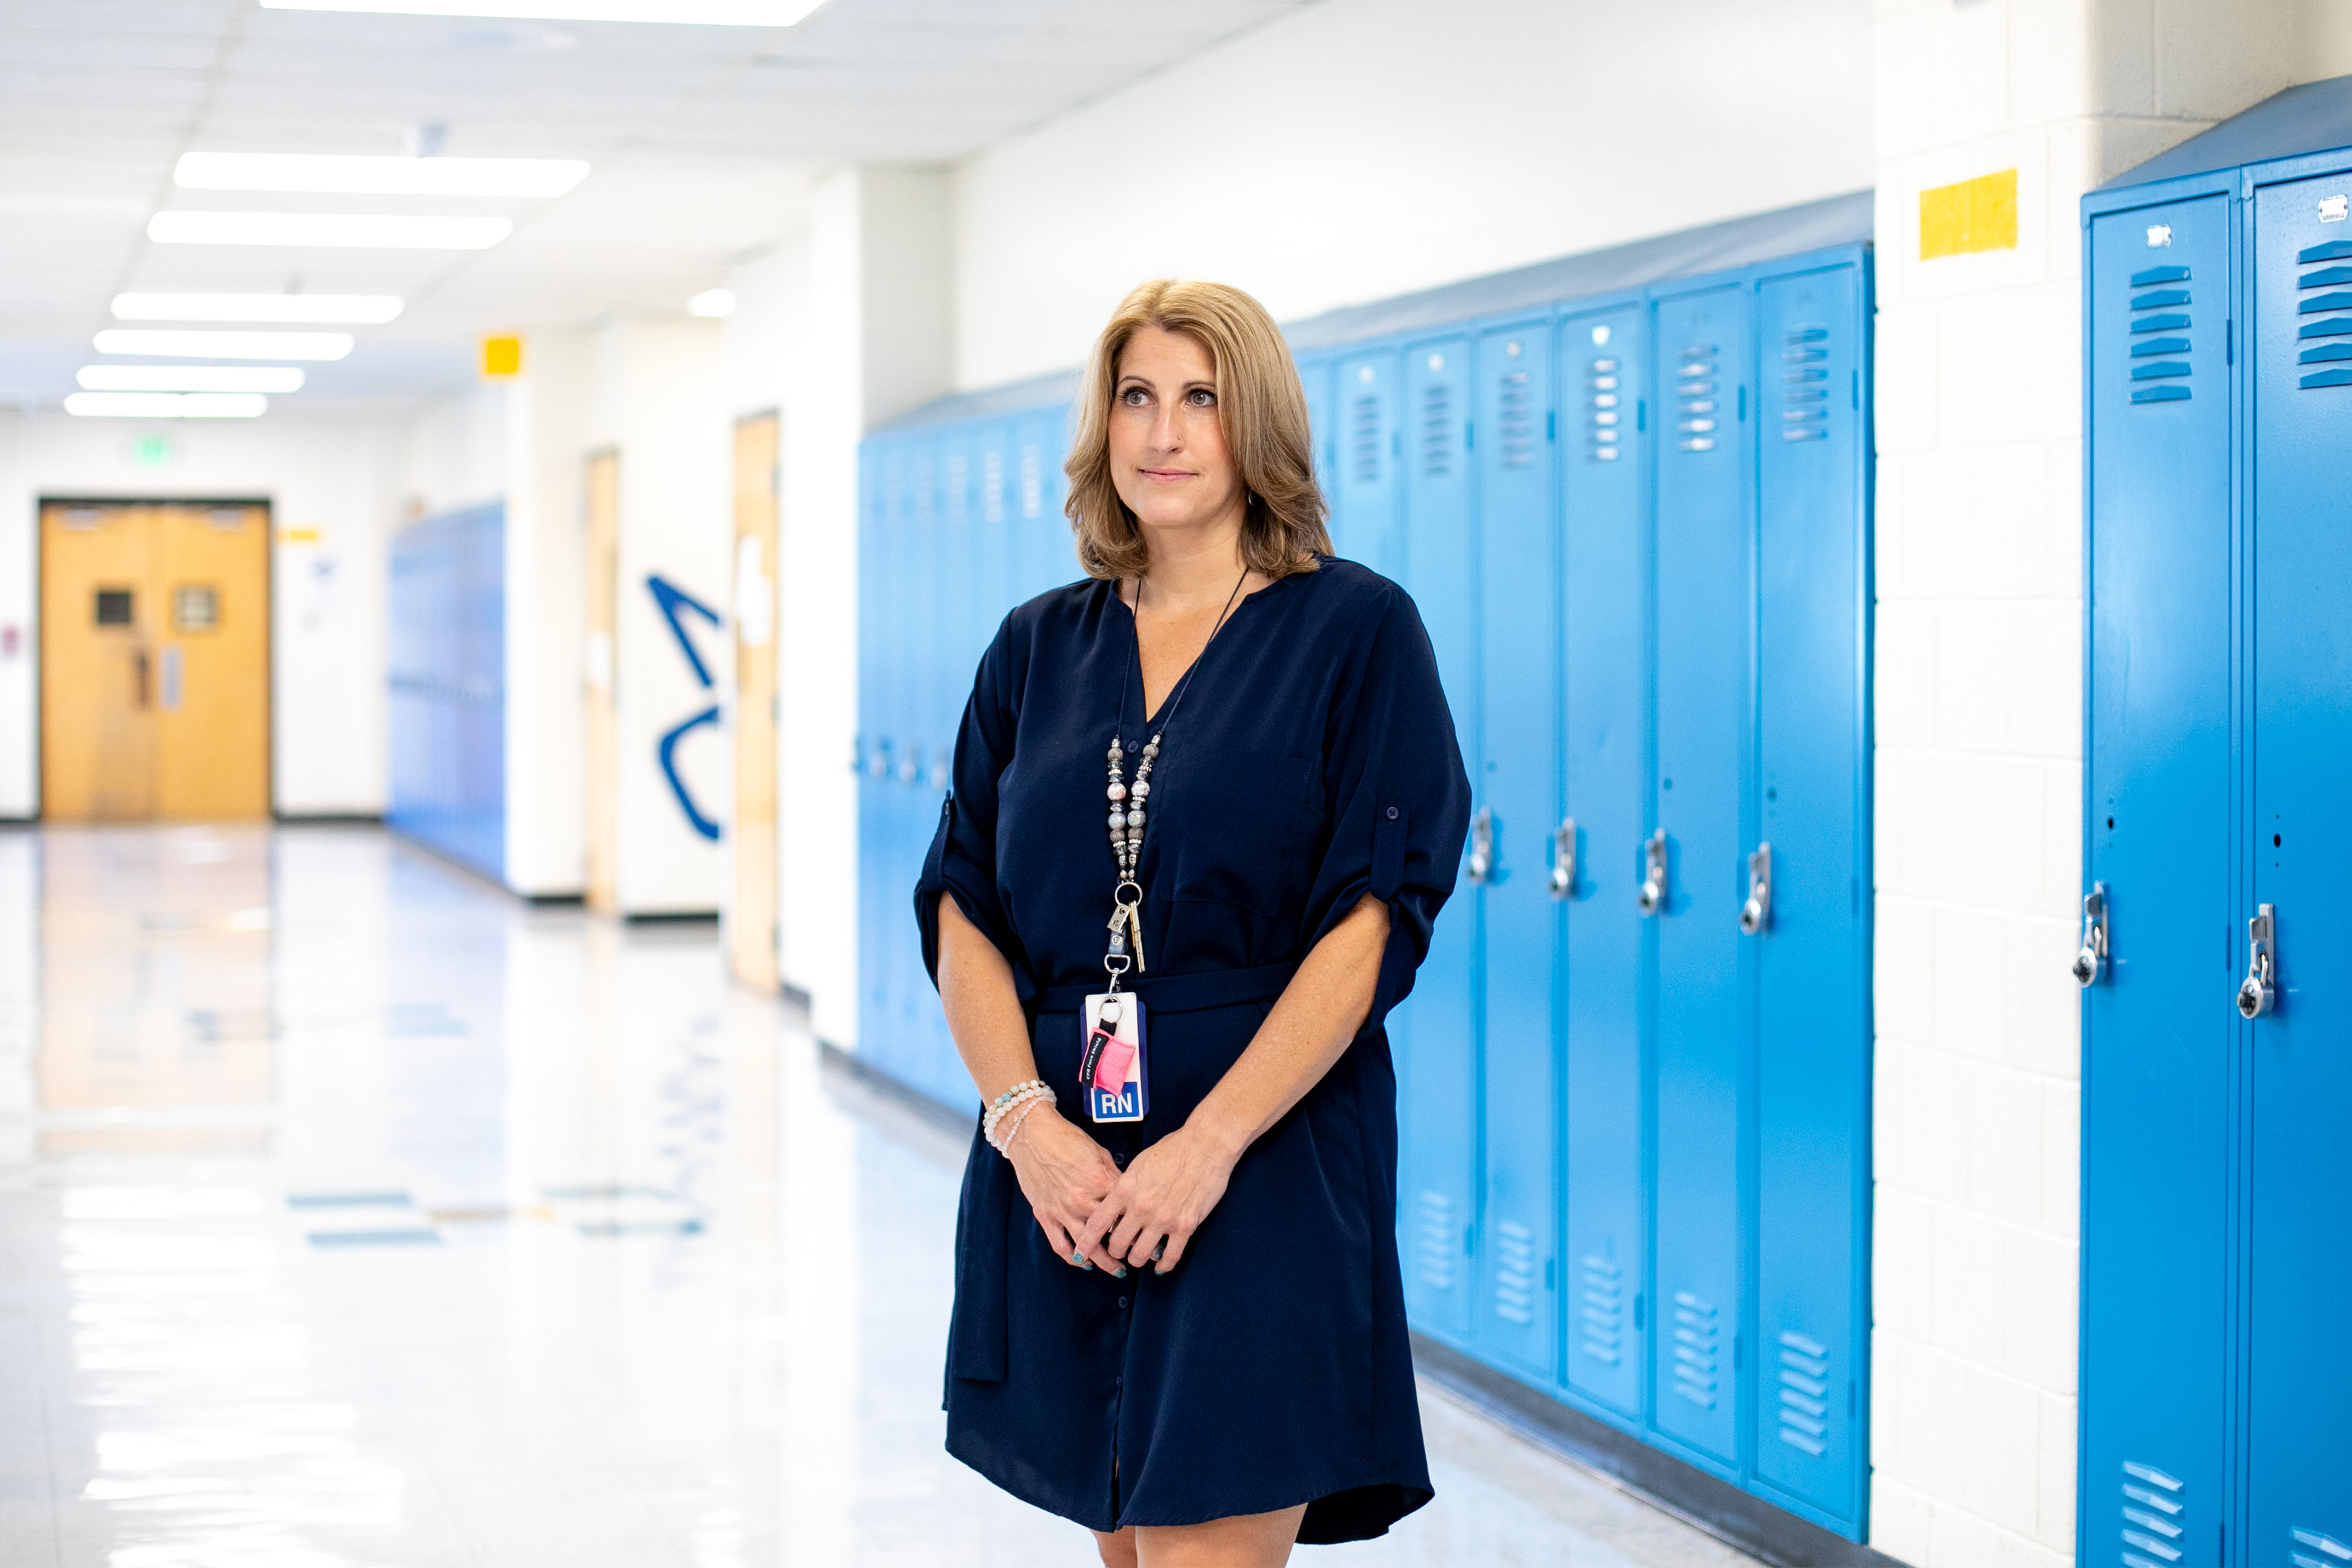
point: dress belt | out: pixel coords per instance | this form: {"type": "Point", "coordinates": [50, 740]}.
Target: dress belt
{"type": "Point", "coordinates": [1164, 994]}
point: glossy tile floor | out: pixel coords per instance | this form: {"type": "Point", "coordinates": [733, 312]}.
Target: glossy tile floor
{"type": "Point", "coordinates": [353, 1215]}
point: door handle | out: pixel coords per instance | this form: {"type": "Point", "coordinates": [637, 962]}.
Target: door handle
{"type": "Point", "coordinates": [2258, 994]}
{"type": "Point", "coordinates": [1563, 859]}
{"type": "Point", "coordinates": [139, 661]}
{"type": "Point", "coordinates": [1482, 847]}
{"type": "Point", "coordinates": [2093, 959]}
{"type": "Point", "coordinates": [1757, 913]}
{"type": "Point", "coordinates": [1653, 896]}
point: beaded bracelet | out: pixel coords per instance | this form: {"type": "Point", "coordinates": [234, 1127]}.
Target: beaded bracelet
{"type": "Point", "coordinates": [1019, 1095]}
{"type": "Point", "coordinates": [1022, 1105]}
{"type": "Point", "coordinates": [1019, 1120]}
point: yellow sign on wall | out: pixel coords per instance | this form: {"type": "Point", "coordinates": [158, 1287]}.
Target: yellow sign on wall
{"type": "Point", "coordinates": [501, 356]}
{"type": "Point", "coordinates": [1975, 214]}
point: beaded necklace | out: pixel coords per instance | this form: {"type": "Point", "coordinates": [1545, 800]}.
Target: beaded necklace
{"type": "Point", "coordinates": [1127, 820]}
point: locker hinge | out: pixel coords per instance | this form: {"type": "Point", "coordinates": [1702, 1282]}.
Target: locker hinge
{"type": "Point", "coordinates": [2230, 342]}
{"type": "Point", "coordinates": [1551, 424]}
{"type": "Point", "coordinates": [1738, 1346]}
{"type": "Point", "coordinates": [1640, 415]}
{"type": "Point", "coordinates": [1743, 406]}
{"type": "Point", "coordinates": [1469, 435]}
{"type": "Point", "coordinates": [1547, 1274]}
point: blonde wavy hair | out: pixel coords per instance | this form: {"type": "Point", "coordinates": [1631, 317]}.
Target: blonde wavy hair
{"type": "Point", "coordinates": [1261, 408]}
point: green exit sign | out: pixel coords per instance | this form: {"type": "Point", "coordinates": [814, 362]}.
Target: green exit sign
{"type": "Point", "coordinates": [150, 451]}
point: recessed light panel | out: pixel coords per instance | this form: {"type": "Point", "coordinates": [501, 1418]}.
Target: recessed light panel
{"type": "Point", "coordinates": [369, 309]}
{"type": "Point", "coordinates": [712, 302]}
{"type": "Point", "coordinates": [189, 378]}
{"type": "Point", "coordinates": [721, 13]}
{"type": "Point", "coordinates": [378, 177]}
{"type": "Point", "coordinates": [383, 231]}
{"type": "Point", "coordinates": [168, 406]}
{"type": "Point", "coordinates": [222, 345]}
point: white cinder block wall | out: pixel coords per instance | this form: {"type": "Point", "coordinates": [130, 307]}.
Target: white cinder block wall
{"type": "Point", "coordinates": [1357, 149]}
{"type": "Point", "coordinates": [1980, 693]}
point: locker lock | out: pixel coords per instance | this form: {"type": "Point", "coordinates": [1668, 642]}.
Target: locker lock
{"type": "Point", "coordinates": [1563, 857]}
{"type": "Point", "coordinates": [1757, 913]}
{"type": "Point", "coordinates": [2256, 996]}
{"type": "Point", "coordinates": [1481, 864]}
{"type": "Point", "coordinates": [1652, 897]}
{"type": "Point", "coordinates": [2093, 959]}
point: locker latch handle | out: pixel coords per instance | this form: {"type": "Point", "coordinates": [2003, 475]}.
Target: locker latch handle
{"type": "Point", "coordinates": [1563, 859]}
{"type": "Point", "coordinates": [1482, 847]}
{"type": "Point", "coordinates": [1652, 897]}
{"type": "Point", "coordinates": [1757, 913]}
{"type": "Point", "coordinates": [2093, 959]}
{"type": "Point", "coordinates": [2256, 996]}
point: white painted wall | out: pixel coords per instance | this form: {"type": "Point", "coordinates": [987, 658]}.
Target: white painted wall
{"type": "Point", "coordinates": [655, 394]}
{"type": "Point", "coordinates": [1359, 149]}
{"type": "Point", "coordinates": [327, 719]}
{"type": "Point", "coordinates": [546, 610]}
{"type": "Point", "coordinates": [844, 323]}
{"type": "Point", "coordinates": [1979, 703]}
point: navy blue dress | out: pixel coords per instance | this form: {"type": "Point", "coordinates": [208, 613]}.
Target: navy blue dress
{"type": "Point", "coordinates": [1313, 761]}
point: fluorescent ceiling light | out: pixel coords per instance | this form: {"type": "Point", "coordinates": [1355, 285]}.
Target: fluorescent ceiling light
{"type": "Point", "coordinates": [368, 308]}
{"type": "Point", "coordinates": [712, 302]}
{"type": "Point", "coordinates": [168, 406]}
{"type": "Point", "coordinates": [386, 231]}
{"type": "Point", "coordinates": [189, 378]}
{"type": "Point", "coordinates": [224, 345]}
{"type": "Point", "coordinates": [378, 177]}
{"type": "Point", "coordinates": [724, 12]}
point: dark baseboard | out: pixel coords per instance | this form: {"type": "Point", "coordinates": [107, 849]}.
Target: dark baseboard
{"type": "Point", "coordinates": [946, 1118]}
{"type": "Point", "coordinates": [554, 901]}
{"type": "Point", "coordinates": [327, 818]}
{"type": "Point", "coordinates": [672, 917]}
{"type": "Point", "coordinates": [1716, 1507]}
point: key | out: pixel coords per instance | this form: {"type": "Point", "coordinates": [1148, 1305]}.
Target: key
{"type": "Point", "coordinates": [1135, 924]}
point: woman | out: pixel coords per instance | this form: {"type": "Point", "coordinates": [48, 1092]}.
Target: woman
{"type": "Point", "coordinates": [1186, 1331]}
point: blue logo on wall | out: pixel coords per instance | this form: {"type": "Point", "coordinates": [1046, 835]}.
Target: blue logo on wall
{"type": "Point", "coordinates": [673, 599]}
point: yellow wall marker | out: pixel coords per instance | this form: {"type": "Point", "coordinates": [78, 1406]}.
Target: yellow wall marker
{"type": "Point", "coordinates": [1975, 214]}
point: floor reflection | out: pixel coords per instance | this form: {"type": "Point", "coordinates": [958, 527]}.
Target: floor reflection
{"type": "Point", "coordinates": [354, 1215]}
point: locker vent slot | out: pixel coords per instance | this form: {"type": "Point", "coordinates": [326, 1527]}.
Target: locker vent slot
{"type": "Point", "coordinates": [1515, 435]}
{"type": "Point", "coordinates": [1601, 1315]}
{"type": "Point", "coordinates": [2331, 362]}
{"type": "Point", "coordinates": [1514, 1273]}
{"type": "Point", "coordinates": [1695, 419]}
{"type": "Point", "coordinates": [959, 487]}
{"type": "Point", "coordinates": [1697, 1349]}
{"type": "Point", "coordinates": [1436, 429]}
{"type": "Point", "coordinates": [1804, 391]}
{"type": "Point", "coordinates": [1433, 1241]}
{"type": "Point", "coordinates": [1603, 413]}
{"type": "Point", "coordinates": [1804, 1394]}
{"type": "Point", "coordinates": [1032, 483]}
{"type": "Point", "coordinates": [991, 486]}
{"type": "Point", "coordinates": [2151, 364]}
{"type": "Point", "coordinates": [2154, 1518]}
{"type": "Point", "coordinates": [2315, 1548]}
{"type": "Point", "coordinates": [1365, 444]}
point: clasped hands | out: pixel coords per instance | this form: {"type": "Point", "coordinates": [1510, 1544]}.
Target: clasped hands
{"type": "Point", "coordinates": [1090, 1209]}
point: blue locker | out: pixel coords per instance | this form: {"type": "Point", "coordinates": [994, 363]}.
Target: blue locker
{"type": "Point", "coordinates": [1039, 529]}
{"type": "Point", "coordinates": [2299, 1257]}
{"type": "Point", "coordinates": [1438, 1077]}
{"type": "Point", "coordinates": [1315, 379]}
{"type": "Point", "coordinates": [1705, 543]}
{"type": "Point", "coordinates": [1810, 885]}
{"type": "Point", "coordinates": [1517, 1317]}
{"type": "Point", "coordinates": [1605, 572]}
{"type": "Point", "coordinates": [878, 483]}
{"type": "Point", "coordinates": [1364, 492]}
{"type": "Point", "coordinates": [2157, 1036]}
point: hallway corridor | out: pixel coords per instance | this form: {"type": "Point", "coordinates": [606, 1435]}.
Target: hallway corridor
{"type": "Point", "coordinates": [354, 1214]}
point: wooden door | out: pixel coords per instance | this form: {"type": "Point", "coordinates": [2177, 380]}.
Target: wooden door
{"type": "Point", "coordinates": [752, 934]}
{"type": "Point", "coordinates": [154, 662]}
{"type": "Point", "coordinates": [603, 499]}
